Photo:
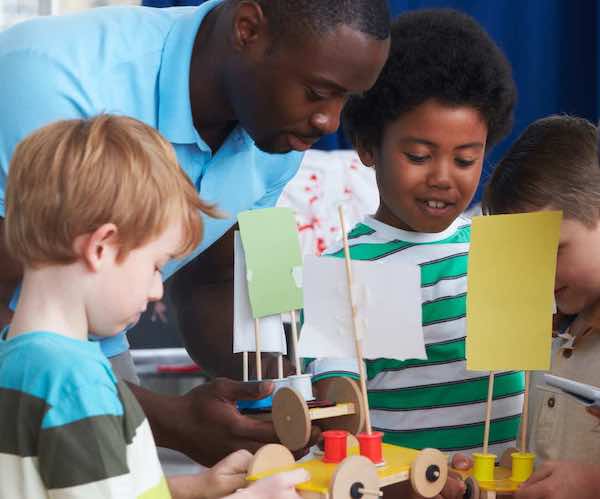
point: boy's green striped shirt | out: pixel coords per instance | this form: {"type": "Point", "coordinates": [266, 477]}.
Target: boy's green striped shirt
{"type": "Point", "coordinates": [433, 402]}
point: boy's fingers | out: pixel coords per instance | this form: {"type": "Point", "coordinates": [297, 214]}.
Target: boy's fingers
{"type": "Point", "coordinates": [594, 410]}
{"type": "Point", "coordinates": [232, 390]}
{"type": "Point", "coordinates": [454, 488]}
{"type": "Point", "coordinates": [538, 490]}
{"type": "Point", "coordinates": [540, 474]}
{"type": "Point", "coordinates": [236, 462]}
{"type": "Point", "coordinates": [289, 479]}
{"type": "Point", "coordinates": [461, 462]}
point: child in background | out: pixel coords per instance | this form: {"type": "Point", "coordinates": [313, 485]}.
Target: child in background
{"type": "Point", "coordinates": [554, 166]}
{"type": "Point", "coordinates": [443, 99]}
{"type": "Point", "coordinates": [94, 207]}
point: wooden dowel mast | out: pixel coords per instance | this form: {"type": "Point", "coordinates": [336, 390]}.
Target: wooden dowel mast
{"type": "Point", "coordinates": [488, 413]}
{"type": "Point", "coordinates": [355, 327]}
{"type": "Point", "coordinates": [525, 413]}
{"type": "Point", "coordinates": [295, 342]}
{"type": "Point", "coordinates": [258, 355]}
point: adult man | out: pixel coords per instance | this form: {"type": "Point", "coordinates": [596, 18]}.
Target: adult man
{"type": "Point", "coordinates": [237, 86]}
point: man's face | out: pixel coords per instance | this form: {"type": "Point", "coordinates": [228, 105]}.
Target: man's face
{"type": "Point", "coordinates": [577, 282]}
{"type": "Point", "coordinates": [288, 95]}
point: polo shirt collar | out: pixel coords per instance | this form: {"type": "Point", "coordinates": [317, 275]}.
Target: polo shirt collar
{"type": "Point", "coordinates": [175, 119]}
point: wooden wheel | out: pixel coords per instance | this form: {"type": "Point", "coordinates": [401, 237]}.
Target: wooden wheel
{"type": "Point", "coordinates": [345, 390]}
{"type": "Point", "coordinates": [429, 472]}
{"type": "Point", "coordinates": [506, 459]}
{"type": "Point", "coordinates": [291, 418]}
{"type": "Point", "coordinates": [355, 477]}
{"type": "Point", "coordinates": [270, 456]}
{"type": "Point", "coordinates": [472, 489]}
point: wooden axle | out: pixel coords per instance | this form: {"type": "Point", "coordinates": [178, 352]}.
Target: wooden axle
{"type": "Point", "coordinates": [293, 419]}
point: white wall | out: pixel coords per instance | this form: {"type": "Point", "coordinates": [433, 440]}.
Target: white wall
{"type": "Point", "coordinates": [14, 11]}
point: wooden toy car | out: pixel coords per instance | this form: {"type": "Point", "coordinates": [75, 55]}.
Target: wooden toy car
{"type": "Point", "coordinates": [356, 476]}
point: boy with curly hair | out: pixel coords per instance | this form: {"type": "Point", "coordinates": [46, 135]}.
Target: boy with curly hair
{"type": "Point", "coordinates": [443, 99]}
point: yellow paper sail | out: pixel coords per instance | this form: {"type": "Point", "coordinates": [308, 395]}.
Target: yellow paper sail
{"type": "Point", "coordinates": [510, 299]}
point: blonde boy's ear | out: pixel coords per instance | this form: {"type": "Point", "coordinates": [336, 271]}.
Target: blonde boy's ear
{"type": "Point", "coordinates": [96, 248]}
{"type": "Point", "coordinates": [366, 155]}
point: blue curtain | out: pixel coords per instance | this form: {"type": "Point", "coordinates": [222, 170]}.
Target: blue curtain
{"type": "Point", "coordinates": [553, 46]}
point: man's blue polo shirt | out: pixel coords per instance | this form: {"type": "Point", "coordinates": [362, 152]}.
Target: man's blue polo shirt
{"type": "Point", "coordinates": [133, 61]}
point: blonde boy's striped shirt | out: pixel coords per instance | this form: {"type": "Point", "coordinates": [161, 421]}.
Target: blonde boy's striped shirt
{"type": "Point", "coordinates": [434, 402]}
{"type": "Point", "coordinates": [68, 428]}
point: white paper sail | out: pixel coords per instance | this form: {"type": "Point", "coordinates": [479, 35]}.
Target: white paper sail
{"type": "Point", "coordinates": [388, 298]}
{"type": "Point", "coordinates": [272, 336]}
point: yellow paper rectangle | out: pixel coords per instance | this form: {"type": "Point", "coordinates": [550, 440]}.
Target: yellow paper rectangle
{"type": "Point", "coordinates": [512, 262]}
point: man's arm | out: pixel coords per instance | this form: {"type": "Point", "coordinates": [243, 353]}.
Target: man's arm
{"type": "Point", "coordinates": [202, 293]}
{"type": "Point", "coordinates": [205, 423]}
{"type": "Point", "coordinates": [11, 273]}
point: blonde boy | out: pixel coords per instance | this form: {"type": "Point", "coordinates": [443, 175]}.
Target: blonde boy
{"type": "Point", "coordinates": [94, 209]}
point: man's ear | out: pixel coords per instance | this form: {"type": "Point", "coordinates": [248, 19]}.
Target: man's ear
{"type": "Point", "coordinates": [98, 247]}
{"type": "Point", "coordinates": [249, 25]}
{"type": "Point", "coordinates": [366, 153]}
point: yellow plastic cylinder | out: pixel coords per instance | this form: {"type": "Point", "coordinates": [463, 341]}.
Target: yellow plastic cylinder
{"type": "Point", "coordinates": [522, 466]}
{"type": "Point", "coordinates": [483, 467]}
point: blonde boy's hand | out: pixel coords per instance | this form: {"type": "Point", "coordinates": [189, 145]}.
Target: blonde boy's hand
{"type": "Point", "coordinates": [224, 478]}
{"type": "Point", "coordinates": [280, 486]}
{"type": "Point", "coordinates": [562, 480]}
{"type": "Point", "coordinates": [228, 475]}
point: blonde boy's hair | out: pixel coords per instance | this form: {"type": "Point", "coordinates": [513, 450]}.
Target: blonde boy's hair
{"type": "Point", "coordinates": [70, 177]}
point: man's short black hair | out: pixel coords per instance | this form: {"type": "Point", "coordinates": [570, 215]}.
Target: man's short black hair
{"type": "Point", "coordinates": [317, 17]}
{"type": "Point", "coordinates": [437, 54]}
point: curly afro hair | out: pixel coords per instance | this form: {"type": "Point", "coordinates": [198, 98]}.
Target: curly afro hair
{"type": "Point", "coordinates": [437, 54]}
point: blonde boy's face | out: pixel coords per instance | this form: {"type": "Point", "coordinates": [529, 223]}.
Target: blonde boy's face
{"type": "Point", "coordinates": [125, 288]}
{"type": "Point", "coordinates": [577, 283]}
{"type": "Point", "coordinates": [428, 166]}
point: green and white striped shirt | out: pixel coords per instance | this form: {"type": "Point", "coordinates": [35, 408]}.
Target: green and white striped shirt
{"type": "Point", "coordinates": [434, 402]}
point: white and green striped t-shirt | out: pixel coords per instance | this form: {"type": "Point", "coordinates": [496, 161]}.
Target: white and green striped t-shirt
{"type": "Point", "coordinates": [434, 402]}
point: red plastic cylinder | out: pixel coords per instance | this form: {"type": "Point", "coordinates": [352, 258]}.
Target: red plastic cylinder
{"type": "Point", "coordinates": [335, 446]}
{"type": "Point", "coordinates": [370, 446]}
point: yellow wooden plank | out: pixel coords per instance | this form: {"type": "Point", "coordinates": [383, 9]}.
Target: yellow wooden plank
{"type": "Point", "coordinates": [396, 469]}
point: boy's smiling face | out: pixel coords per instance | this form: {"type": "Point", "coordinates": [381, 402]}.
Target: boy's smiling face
{"type": "Point", "coordinates": [577, 283]}
{"type": "Point", "coordinates": [428, 165]}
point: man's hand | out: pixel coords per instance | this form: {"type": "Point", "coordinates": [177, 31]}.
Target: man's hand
{"type": "Point", "coordinates": [562, 480]}
{"type": "Point", "coordinates": [205, 423]}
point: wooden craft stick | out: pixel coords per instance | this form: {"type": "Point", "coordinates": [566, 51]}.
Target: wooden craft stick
{"type": "Point", "coordinates": [524, 416]}
{"type": "Point", "coordinates": [355, 328]}
{"type": "Point", "coordinates": [488, 413]}
{"type": "Point", "coordinates": [369, 492]}
{"type": "Point", "coordinates": [295, 342]}
{"type": "Point", "coordinates": [245, 365]}
{"type": "Point", "coordinates": [258, 356]}
{"type": "Point", "coordinates": [279, 365]}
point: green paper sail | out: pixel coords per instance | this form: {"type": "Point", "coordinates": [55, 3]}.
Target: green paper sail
{"type": "Point", "coordinates": [273, 260]}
